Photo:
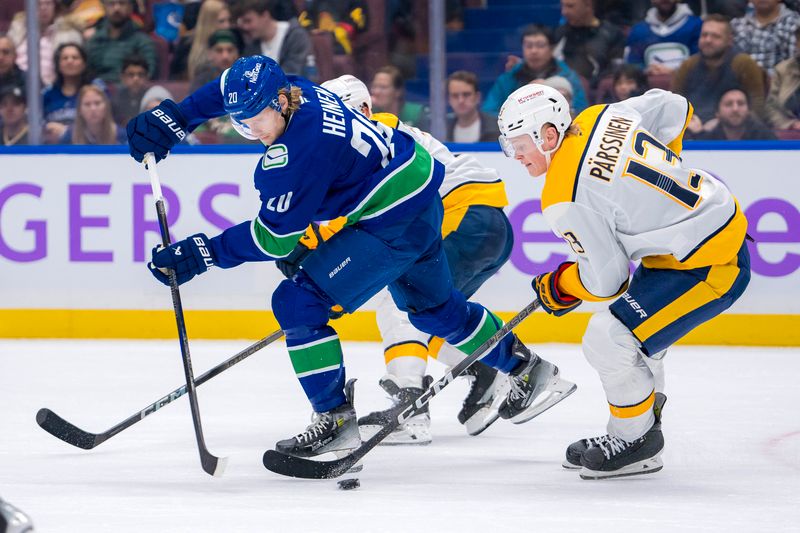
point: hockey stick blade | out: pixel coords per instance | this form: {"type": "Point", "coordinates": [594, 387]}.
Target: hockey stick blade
{"type": "Point", "coordinates": [71, 434]}
{"type": "Point", "coordinates": [61, 429]}
{"type": "Point", "coordinates": [301, 467]}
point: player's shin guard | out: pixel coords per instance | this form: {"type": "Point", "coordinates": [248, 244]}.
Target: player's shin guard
{"type": "Point", "coordinates": [314, 347]}
{"type": "Point", "coordinates": [627, 380]}
{"type": "Point", "coordinates": [317, 361]}
{"type": "Point", "coordinates": [466, 325]}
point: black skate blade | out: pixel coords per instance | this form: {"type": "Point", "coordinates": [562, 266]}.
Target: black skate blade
{"type": "Point", "coordinates": [300, 467]}
{"type": "Point", "coordinates": [63, 430]}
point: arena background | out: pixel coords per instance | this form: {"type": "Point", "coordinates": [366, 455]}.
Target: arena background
{"type": "Point", "coordinates": [77, 225]}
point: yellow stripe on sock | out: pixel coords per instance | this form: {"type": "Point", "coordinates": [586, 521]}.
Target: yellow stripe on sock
{"type": "Point", "coordinates": [631, 411]}
{"type": "Point", "coordinates": [435, 346]}
{"type": "Point", "coordinates": [406, 349]}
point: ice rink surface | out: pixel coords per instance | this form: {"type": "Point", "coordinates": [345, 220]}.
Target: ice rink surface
{"type": "Point", "coordinates": [731, 463]}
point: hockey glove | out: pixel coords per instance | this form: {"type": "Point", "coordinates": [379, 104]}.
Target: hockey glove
{"type": "Point", "coordinates": [290, 264]}
{"type": "Point", "coordinates": [553, 301]}
{"type": "Point", "coordinates": [188, 258]}
{"type": "Point", "coordinates": [157, 131]}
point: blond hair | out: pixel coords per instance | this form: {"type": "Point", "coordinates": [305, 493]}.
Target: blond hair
{"type": "Point", "coordinates": [108, 129]}
{"type": "Point", "coordinates": [206, 25]}
{"type": "Point", "coordinates": [293, 94]}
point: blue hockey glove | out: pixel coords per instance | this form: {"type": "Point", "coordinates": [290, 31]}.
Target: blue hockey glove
{"type": "Point", "coordinates": [157, 131]}
{"type": "Point", "coordinates": [290, 264]}
{"type": "Point", "coordinates": [188, 258]}
{"type": "Point", "coordinates": [553, 301]}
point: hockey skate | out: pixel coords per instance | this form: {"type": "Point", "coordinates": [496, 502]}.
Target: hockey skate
{"type": "Point", "coordinates": [334, 431]}
{"type": "Point", "coordinates": [612, 457]}
{"type": "Point", "coordinates": [487, 385]}
{"type": "Point", "coordinates": [576, 449]}
{"type": "Point", "coordinates": [416, 430]}
{"type": "Point", "coordinates": [12, 520]}
{"type": "Point", "coordinates": [535, 387]}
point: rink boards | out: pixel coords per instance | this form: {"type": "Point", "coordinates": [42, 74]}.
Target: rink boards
{"type": "Point", "coordinates": [77, 226]}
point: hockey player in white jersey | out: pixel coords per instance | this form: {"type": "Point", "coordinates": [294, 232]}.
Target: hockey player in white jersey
{"type": "Point", "coordinates": [477, 238]}
{"type": "Point", "coordinates": [616, 190]}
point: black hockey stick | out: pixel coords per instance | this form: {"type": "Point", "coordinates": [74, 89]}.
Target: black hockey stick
{"type": "Point", "coordinates": [212, 464]}
{"type": "Point", "coordinates": [290, 465]}
{"type": "Point", "coordinates": [71, 434]}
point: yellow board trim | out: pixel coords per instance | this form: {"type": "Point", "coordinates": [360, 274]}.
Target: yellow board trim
{"type": "Point", "coordinates": [406, 349]}
{"type": "Point", "coordinates": [632, 411]}
{"type": "Point", "coordinates": [719, 281]}
{"type": "Point", "coordinates": [726, 329]}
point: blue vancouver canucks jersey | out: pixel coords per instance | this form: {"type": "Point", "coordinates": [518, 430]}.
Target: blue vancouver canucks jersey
{"type": "Point", "coordinates": [330, 162]}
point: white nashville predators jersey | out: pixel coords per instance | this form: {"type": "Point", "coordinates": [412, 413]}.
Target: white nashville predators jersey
{"type": "Point", "coordinates": [466, 181]}
{"type": "Point", "coordinates": [618, 191]}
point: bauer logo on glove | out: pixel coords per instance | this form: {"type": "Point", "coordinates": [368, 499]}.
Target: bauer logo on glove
{"type": "Point", "coordinates": [173, 126]}
{"type": "Point", "coordinates": [188, 258]}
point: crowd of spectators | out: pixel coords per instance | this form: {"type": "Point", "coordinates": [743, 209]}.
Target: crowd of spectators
{"type": "Point", "coordinates": [104, 61]}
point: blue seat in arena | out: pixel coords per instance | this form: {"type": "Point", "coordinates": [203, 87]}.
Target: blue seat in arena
{"type": "Point", "coordinates": [512, 15]}
{"type": "Point", "coordinates": [491, 41]}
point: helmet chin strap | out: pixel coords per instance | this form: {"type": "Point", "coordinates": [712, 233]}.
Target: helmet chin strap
{"type": "Point", "coordinates": [548, 154]}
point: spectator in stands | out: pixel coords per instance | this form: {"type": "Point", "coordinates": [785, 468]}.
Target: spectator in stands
{"type": "Point", "coordinates": [767, 34]}
{"type": "Point", "coordinates": [94, 123]}
{"type": "Point", "coordinates": [153, 97]}
{"type": "Point", "coordinates": [224, 47]}
{"type": "Point", "coordinates": [285, 41]}
{"type": "Point", "coordinates": [13, 116]}
{"type": "Point", "coordinates": [61, 99]}
{"type": "Point", "coordinates": [54, 31]}
{"type": "Point", "coordinates": [735, 122]}
{"type": "Point", "coordinates": [560, 84]}
{"type": "Point", "coordinates": [388, 96]}
{"type": "Point", "coordinates": [342, 18]}
{"type": "Point", "coordinates": [664, 39]}
{"type": "Point", "coordinates": [134, 81]}
{"type": "Point", "coordinates": [717, 67]}
{"type": "Point", "coordinates": [10, 73]}
{"type": "Point", "coordinates": [537, 63]}
{"type": "Point", "coordinates": [116, 38]}
{"type": "Point", "coordinates": [588, 45]}
{"type": "Point", "coordinates": [783, 102]}
{"type": "Point", "coordinates": [191, 50]}
{"type": "Point", "coordinates": [468, 124]}
{"type": "Point", "coordinates": [85, 14]}
{"type": "Point", "coordinates": [628, 81]}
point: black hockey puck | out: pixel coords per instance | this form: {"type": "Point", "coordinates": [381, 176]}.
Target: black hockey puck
{"type": "Point", "coordinates": [349, 484]}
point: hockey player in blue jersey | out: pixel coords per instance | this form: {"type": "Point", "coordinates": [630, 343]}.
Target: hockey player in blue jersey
{"type": "Point", "coordinates": [324, 160]}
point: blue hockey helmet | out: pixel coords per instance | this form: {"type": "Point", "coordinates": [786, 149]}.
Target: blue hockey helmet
{"type": "Point", "coordinates": [251, 85]}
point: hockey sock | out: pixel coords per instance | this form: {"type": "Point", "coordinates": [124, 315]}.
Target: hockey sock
{"type": "Point", "coordinates": [316, 356]}
{"type": "Point", "coordinates": [407, 361]}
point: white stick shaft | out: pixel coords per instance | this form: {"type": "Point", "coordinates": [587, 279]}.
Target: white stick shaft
{"type": "Point", "coordinates": [155, 183]}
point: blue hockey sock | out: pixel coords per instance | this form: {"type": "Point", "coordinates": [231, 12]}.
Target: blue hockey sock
{"type": "Point", "coordinates": [316, 356]}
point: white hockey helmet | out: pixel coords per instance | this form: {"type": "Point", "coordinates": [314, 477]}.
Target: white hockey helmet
{"type": "Point", "coordinates": [527, 110]}
{"type": "Point", "coordinates": [351, 90]}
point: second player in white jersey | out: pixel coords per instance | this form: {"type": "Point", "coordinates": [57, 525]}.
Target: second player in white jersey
{"type": "Point", "coordinates": [616, 190]}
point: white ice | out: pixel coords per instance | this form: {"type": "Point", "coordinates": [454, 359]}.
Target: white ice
{"type": "Point", "coordinates": [731, 463]}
